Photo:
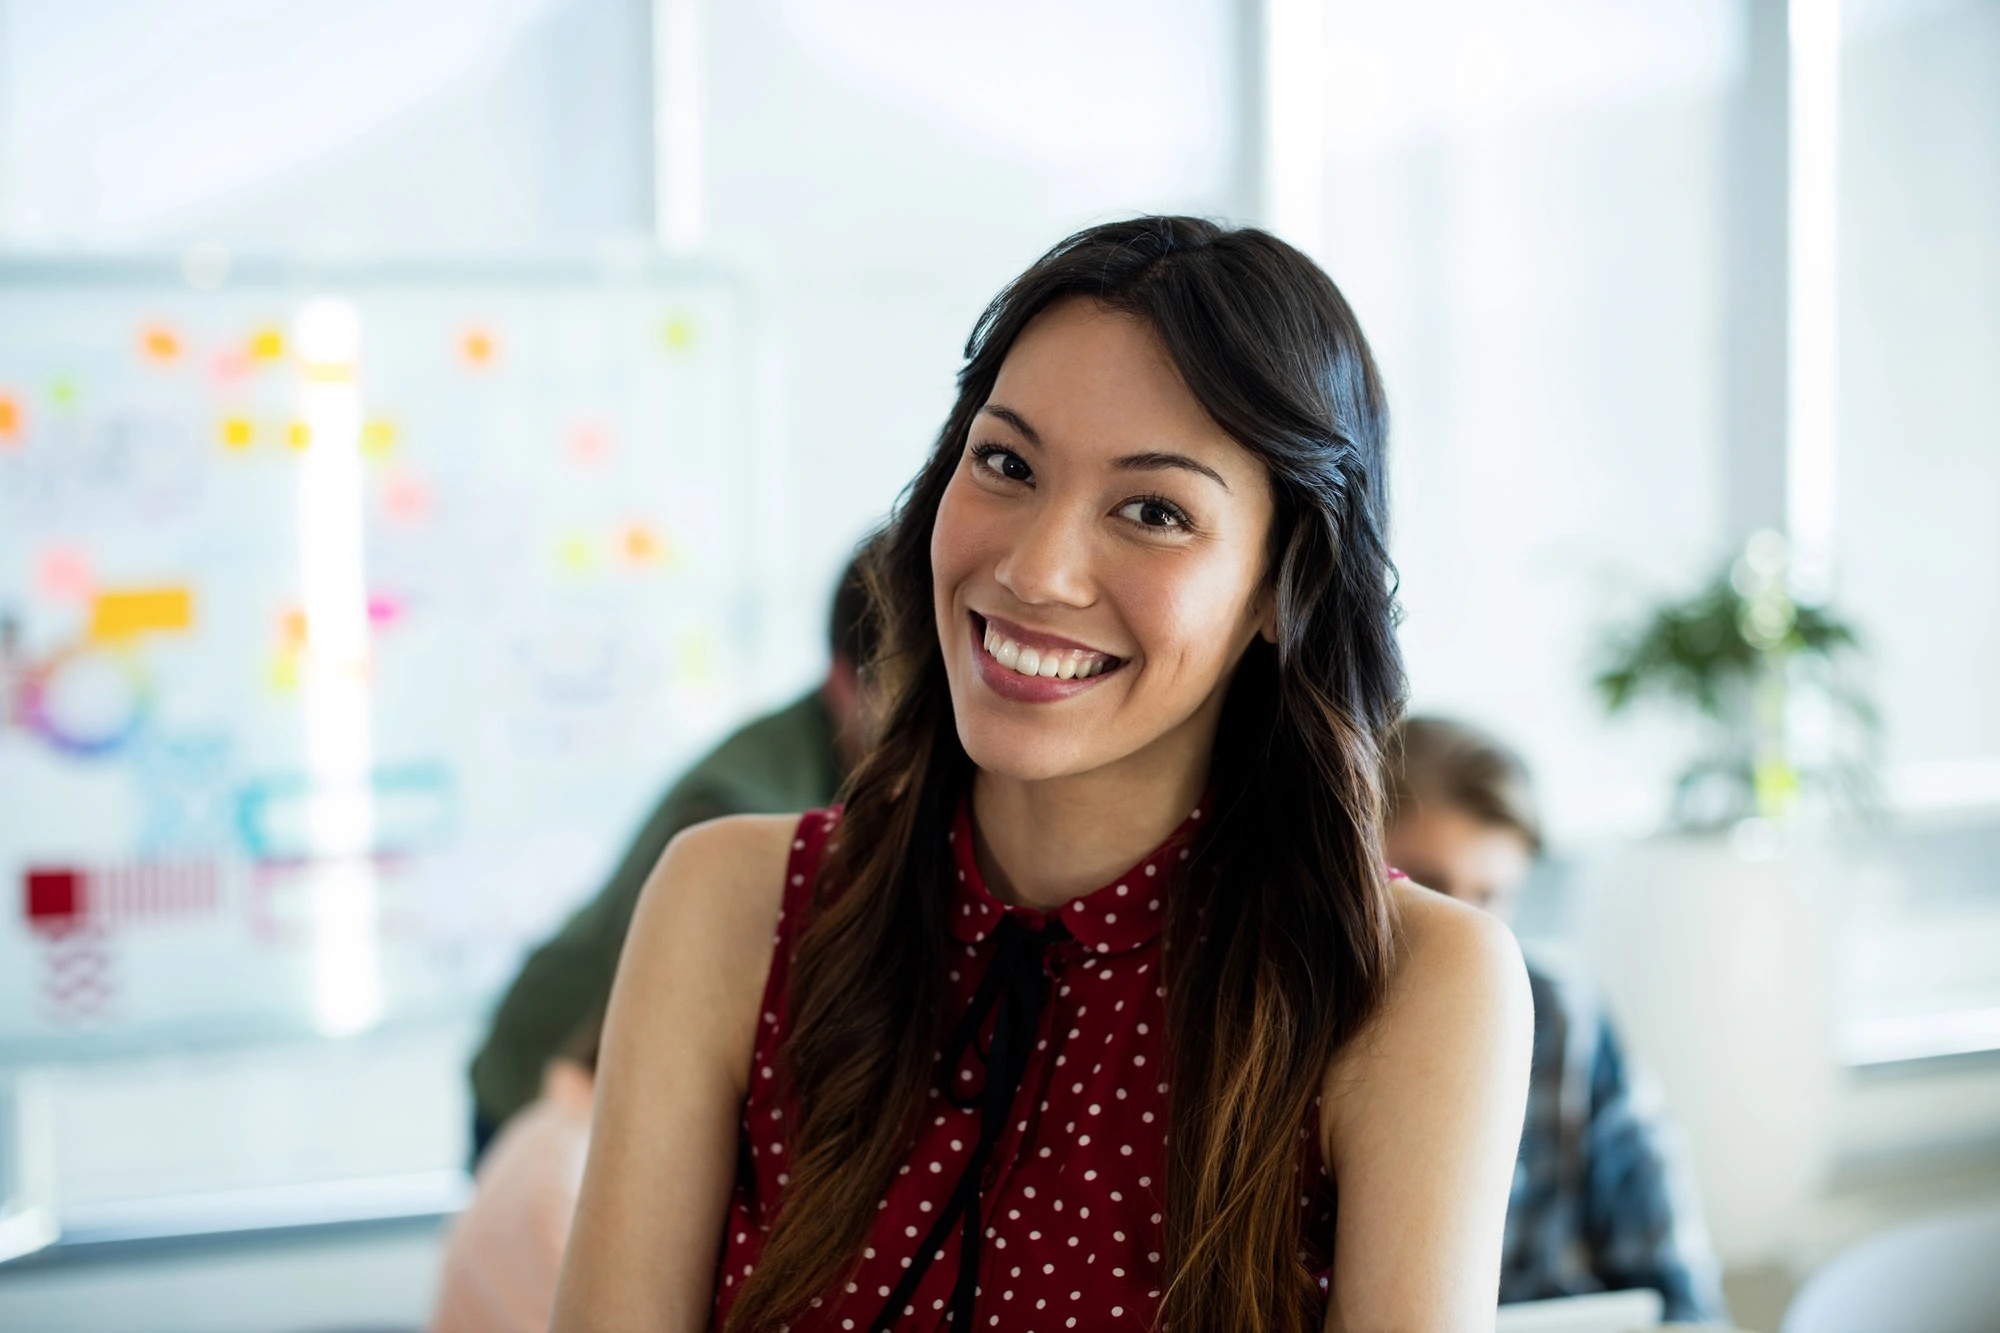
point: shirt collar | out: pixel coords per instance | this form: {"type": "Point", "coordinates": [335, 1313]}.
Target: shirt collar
{"type": "Point", "coordinates": [1124, 914]}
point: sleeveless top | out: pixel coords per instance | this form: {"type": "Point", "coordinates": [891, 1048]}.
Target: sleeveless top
{"type": "Point", "coordinates": [1070, 1201]}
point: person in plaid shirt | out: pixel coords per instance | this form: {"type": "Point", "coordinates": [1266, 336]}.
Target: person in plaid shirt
{"type": "Point", "coordinates": [1602, 1198]}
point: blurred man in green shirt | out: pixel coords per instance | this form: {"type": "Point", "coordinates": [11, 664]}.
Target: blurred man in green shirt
{"type": "Point", "coordinates": [790, 760]}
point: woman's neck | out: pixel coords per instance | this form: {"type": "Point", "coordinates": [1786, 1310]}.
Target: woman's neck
{"type": "Point", "coordinates": [1043, 843]}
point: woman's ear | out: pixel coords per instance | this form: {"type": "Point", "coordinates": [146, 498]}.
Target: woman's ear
{"type": "Point", "coordinates": [1267, 614]}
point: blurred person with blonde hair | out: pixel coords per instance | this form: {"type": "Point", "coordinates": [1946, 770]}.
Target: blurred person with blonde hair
{"type": "Point", "coordinates": [1601, 1197]}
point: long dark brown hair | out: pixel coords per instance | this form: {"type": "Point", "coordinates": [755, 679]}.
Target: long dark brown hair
{"type": "Point", "coordinates": [1279, 937]}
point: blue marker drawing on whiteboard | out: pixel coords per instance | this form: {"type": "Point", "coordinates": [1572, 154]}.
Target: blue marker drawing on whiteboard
{"type": "Point", "coordinates": [413, 807]}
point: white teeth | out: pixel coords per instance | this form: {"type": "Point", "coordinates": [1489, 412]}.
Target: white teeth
{"type": "Point", "coordinates": [1053, 664]}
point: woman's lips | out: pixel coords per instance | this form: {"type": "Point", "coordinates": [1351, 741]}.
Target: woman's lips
{"type": "Point", "coordinates": [1029, 667]}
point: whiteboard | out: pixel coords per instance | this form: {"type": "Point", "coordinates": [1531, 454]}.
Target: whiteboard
{"type": "Point", "coordinates": [348, 618]}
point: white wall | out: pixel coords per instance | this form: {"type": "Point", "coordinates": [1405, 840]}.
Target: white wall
{"type": "Point", "coordinates": [881, 167]}
{"type": "Point", "coordinates": [371, 125]}
{"type": "Point", "coordinates": [887, 165]}
{"type": "Point", "coordinates": [1527, 216]}
{"type": "Point", "coordinates": [1919, 558]}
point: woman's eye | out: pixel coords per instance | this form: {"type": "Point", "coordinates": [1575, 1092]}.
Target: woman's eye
{"type": "Point", "coordinates": [1155, 513]}
{"type": "Point", "coordinates": [1004, 462]}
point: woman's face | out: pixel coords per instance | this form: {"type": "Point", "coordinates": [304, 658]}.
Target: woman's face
{"type": "Point", "coordinates": [1098, 560]}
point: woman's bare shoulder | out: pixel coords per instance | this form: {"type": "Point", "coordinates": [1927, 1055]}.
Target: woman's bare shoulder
{"type": "Point", "coordinates": [1444, 942]}
{"type": "Point", "coordinates": [678, 1042]}
{"type": "Point", "coordinates": [701, 938]}
{"type": "Point", "coordinates": [1421, 1122]}
{"type": "Point", "coordinates": [726, 868]}
{"type": "Point", "coordinates": [1457, 1001]}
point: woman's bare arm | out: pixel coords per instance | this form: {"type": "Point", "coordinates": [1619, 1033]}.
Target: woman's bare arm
{"type": "Point", "coordinates": [674, 1068]}
{"type": "Point", "coordinates": [1422, 1122]}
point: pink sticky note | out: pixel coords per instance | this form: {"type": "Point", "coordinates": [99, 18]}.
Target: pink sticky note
{"type": "Point", "coordinates": [589, 444]}
{"type": "Point", "coordinates": [64, 571]}
{"type": "Point", "coordinates": [406, 498]}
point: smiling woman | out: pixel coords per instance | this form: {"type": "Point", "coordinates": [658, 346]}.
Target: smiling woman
{"type": "Point", "coordinates": [1099, 512]}
{"type": "Point", "coordinates": [1097, 992]}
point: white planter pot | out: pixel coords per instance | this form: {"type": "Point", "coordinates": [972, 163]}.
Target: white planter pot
{"type": "Point", "coordinates": [1717, 967]}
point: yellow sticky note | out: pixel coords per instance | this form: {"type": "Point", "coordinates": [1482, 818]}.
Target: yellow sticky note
{"type": "Point", "coordinates": [298, 435]}
{"type": "Point", "coordinates": [328, 372]}
{"type": "Point", "coordinates": [238, 433]}
{"type": "Point", "coordinates": [697, 659]}
{"type": "Point", "coordinates": [680, 334]}
{"type": "Point", "coordinates": [125, 612]}
{"type": "Point", "coordinates": [378, 438]}
{"type": "Point", "coordinates": [574, 553]}
{"type": "Point", "coordinates": [267, 344]}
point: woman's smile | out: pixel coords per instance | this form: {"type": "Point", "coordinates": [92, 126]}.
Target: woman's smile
{"type": "Point", "coordinates": [1031, 666]}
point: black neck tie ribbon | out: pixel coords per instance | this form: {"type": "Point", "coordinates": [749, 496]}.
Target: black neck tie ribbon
{"type": "Point", "coordinates": [1012, 992]}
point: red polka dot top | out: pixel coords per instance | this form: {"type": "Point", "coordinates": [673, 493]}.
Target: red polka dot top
{"type": "Point", "coordinates": [1067, 1230]}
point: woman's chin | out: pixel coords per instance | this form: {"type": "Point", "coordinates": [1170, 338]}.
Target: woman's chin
{"type": "Point", "coordinates": [1033, 738]}
{"type": "Point", "coordinates": [1024, 752]}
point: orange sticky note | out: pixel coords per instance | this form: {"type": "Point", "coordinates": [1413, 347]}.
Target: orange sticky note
{"type": "Point", "coordinates": [125, 612]}
{"type": "Point", "coordinates": [479, 348]}
{"type": "Point", "coordinates": [12, 420]}
{"type": "Point", "coordinates": [641, 545]}
{"type": "Point", "coordinates": [159, 343]}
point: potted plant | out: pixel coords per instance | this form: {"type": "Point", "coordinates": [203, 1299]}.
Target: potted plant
{"type": "Point", "coordinates": [1711, 938]}
{"type": "Point", "coordinates": [1758, 667]}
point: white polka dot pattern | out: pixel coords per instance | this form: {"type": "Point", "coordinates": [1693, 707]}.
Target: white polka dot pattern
{"type": "Point", "coordinates": [1072, 1214]}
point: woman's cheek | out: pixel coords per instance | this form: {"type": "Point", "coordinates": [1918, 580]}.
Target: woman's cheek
{"type": "Point", "coordinates": [949, 539]}
{"type": "Point", "coordinates": [971, 533]}
{"type": "Point", "coordinates": [1194, 621]}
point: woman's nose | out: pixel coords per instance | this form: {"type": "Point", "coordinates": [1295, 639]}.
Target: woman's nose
{"type": "Point", "coordinates": [1048, 561]}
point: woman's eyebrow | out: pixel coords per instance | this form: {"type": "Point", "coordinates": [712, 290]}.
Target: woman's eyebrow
{"type": "Point", "coordinates": [1014, 419]}
{"type": "Point", "coordinates": [1154, 460]}
{"type": "Point", "coordinates": [1151, 461]}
